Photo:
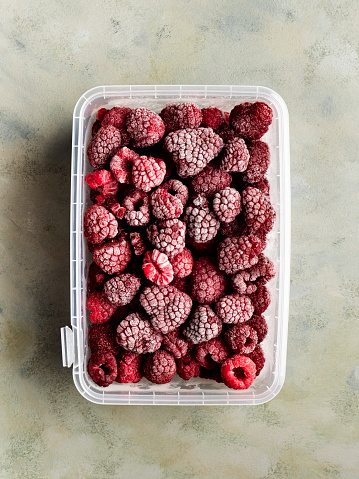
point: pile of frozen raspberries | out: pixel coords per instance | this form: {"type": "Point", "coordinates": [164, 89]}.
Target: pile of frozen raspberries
{"type": "Point", "coordinates": [179, 221]}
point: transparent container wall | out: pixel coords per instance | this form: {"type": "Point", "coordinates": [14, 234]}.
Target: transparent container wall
{"type": "Point", "coordinates": [197, 390]}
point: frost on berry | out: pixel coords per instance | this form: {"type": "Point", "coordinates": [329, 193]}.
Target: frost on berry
{"type": "Point", "coordinates": [168, 236]}
{"type": "Point", "coordinates": [210, 180]}
{"type": "Point", "coordinates": [159, 367]}
{"type": "Point", "coordinates": [234, 308]}
{"type": "Point", "coordinates": [235, 156]}
{"type": "Point", "coordinates": [203, 325]}
{"type": "Point", "coordinates": [101, 309]}
{"type": "Point", "coordinates": [148, 172]}
{"type": "Point", "coordinates": [212, 118]}
{"type": "Point", "coordinates": [129, 367]}
{"type": "Point", "coordinates": [236, 253]}
{"type": "Point", "coordinates": [102, 368]}
{"type": "Point", "coordinates": [102, 181]}
{"type": "Point", "coordinates": [145, 127]}
{"type": "Point", "coordinates": [259, 213]}
{"type": "Point", "coordinates": [157, 267]}
{"type": "Point", "coordinates": [259, 159]}
{"type": "Point", "coordinates": [103, 146]}
{"type": "Point", "coordinates": [137, 206]}
{"type": "Point", "coordinates": [102, 337]}
{"type": "Point", "coordinates": [182, 263]}
{"type": "Point", "coordinates": [245, 281]}
{"type": "Point", "coordinates": [167, 307]}
{"type": "Point", "coordinates": [238, 372]}
{"type": "Point", "coordinates": [177, 189]}
{"type": "Point", "coordinates": [181, 115]}
{"type": "Point", "coordinates": [175, 344]}
{"type": "Point", "coordinates": [164, 205]}
{"type": "Point", "coordinates": [122, 163]}
{"type": "Point", "coordinates": [211, 353]}
{"type": "Point", "coordinates": [135, 333]}
{"type": "Point", "coordinates": [193, 149]}
{"type": "Point", "coordinates": [117, 118]}
{"type": "Point", "coordinates": [121, 289]}
{"type": "Point", "coordinates": [241, 338]}
{"type": "Point", "coordinates": [227, 204]}
{"type": "Point", "coordinates": [251, 120]}
{"type": "Point", "coordinates": [99, 224]}
{"type": "Point", "coordinates": [259, 324]}
{"type": "Point", "coordinates": [202, 224]}
{"type": "Point", "coordinates": [114, 256]}
{"type": "Point", "coordinates": [208, 283]}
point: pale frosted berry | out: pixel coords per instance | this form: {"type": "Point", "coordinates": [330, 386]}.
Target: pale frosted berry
{"type": "Point", "coordinates": [227, 204]}
{"type": "Point", "coordinates": [135, 333]}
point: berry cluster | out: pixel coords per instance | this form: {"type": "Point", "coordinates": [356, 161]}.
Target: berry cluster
{"type": "Point", "coordinates": [179, 222]}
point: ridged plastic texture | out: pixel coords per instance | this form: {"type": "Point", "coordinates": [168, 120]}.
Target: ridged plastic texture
{"type": "Point", "coordinates": [75, 344]}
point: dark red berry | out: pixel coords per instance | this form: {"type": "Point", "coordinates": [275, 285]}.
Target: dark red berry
{"type": "Point", "coordinates": [212, 118]}
{"type": "Point", "coordinates": [102, 368]}
{"type": "Point", "coordinates": [168, 236]}
{"type": "Point", "coordinates": [122, 163]}
{"type": "Point", "coordinates": [103, 146]}
{"type": "Point", "coordinates": [102, 337]}
{"type": "Point", "coordinates": [175, 344]}
{"type": "Point", "coordinates": [236, 253]}
{"type": "Point", "coordinates": [159, 367]}
{"type": "Point", "coordinates": [251, 120]}
{"type": "Point", "coordinates": [261, 299]}
{"type": "Point", "coordinates": [137, 243]}
{"type": "Point", "coordinates": [210, 180]}
{"type": "Point", "coordinates": [129, 367]}
{"type": "Point", "coordinates": [259, 159]}
{"type": "Point", "coordinates": [113, 257]}
{"type": "Point", "coordinates": [145, 127]}
{"type": "Point", "coordinates": [188, 367]}
{"type": "Point", "coordinates": [101, 309]}
{"type": "Point", "coordinates": [235, 156]}
{"type": "Point", "coordinates": [117, 118]}
{"type": "Point", "coordinates": [259, 324]}
{"type": "Point", "coordinates": [257, 356]}
{"type": "Point", "coordinates": [211, 353]}
{"type": "Point", "coordinates": [241, 338]}
{"type": "Point", "coordinates": [103, 182]}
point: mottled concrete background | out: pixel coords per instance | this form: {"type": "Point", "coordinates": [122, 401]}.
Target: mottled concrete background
{"type": "Point", "coordinates": [54, 50]}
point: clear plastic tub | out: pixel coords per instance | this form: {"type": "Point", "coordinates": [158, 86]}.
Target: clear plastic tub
{"type": "Point", "coordinates": [197, 391]}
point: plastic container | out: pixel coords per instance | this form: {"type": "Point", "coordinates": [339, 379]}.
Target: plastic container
{"type": "Point", "coordinates": [197, 391]}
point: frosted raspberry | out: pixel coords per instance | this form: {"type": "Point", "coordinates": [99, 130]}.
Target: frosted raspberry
{"type": "Point", "coordinates": [261, 299]}
{"type": "Point", "coordinates": [137, 206]}
{"type": "Point", "coordinates": [210, 180]}
{"type": "Point", "coordinates": [257, 356]}
{"type": "Point", "coordinates": [182, 115]}
{"type": "Point", "coordinates": [188, 367]}
{"type": "Point", "coordinates": [235, 157]}
{"type": "Point", "coordinates": [259, 324]}
{"type": "Point", "coordinates": [101, 309]}
{"type": "Point", "coordinates": [251, 120]}
{"type": "Point", "coordinates": [102, 181]}
{"type": "Point", "coordinates": [164, 205]}
{"type": "Point", "coordinates": [159, 367]}
{"type": "Point", "coordinates": [234, 308]}
{"type": "Point", "coordinates": [212, 118]}
{"type": "Point", "coordinates": [227, 204]}
{"type": "Point", "coordinates": [129, 367]}
{"type": "Point", "coordinates": [182, 263]}
{"type": "Point", "coordinates": [157, 267]}
{"type": "Point", "coordinates": [148, 172]}
{"type": "Point", "coordinates": [95, 278]}
{"type": "Point", "coordinates": [192, 149]}
{"type": "Point", "coordinates": [202, 224]}
{"type": "Point", "coordinates": [241, 338]}
{"type": "Point", "coordinates": [167, 307]}
{"type": "Point", "coordinates": [238, 372]}
{"type": "Point", "coordinates": [137, 243]}
{"type": "Point", "coordinates": [211, 353]}
{"type": "Point", "coordinates": [103, 146]}
{"type": "Point", "coordinates": [122, 163]}
{"type": "Point", "coordinates": [136, 334]}
{"type": "Point", "coordinates": [259, 214]}
{"type": "Point", "coordinates": [262, 185]}
{"type": "Point", "coordinates": [226, 132]}
{"type": "Point", "coordinates": [118, 210]}
{"type": "Point", "coordinates": [175, 344]}
{"type": "Point", "coordinates": [240, 285]}
{"type": "Point", "coordinates": [207, 282]}
{"type": "Point", "coordinates": [177, 189]}
{"type": "Point", "coordinates": [101, 114]}
{"type": "Point", "coordinates": [244, 281]}
{"type": "Point", "coordinates": [203, 325]}
{"type": "Point", "coordinates": [236, 253]}
{"type": "Point", "coordinates": [102, 368]}
{"type": "Point", "coordinates": [145, 127]}
{"type": "Point", "coordinates": [120, 290]}
{"type": "Point", "coordinates": [99, 224]}
{"type": "Point", "coordinates": [259, 159]}
{"type": "Point", "coordinates": [102, 337]}
{"type": "Point", "coordinates": [168, 236]}
{"type": "Point", "coordinates": [113, 256]}
{"type": "Point", "coordinates": [117, 118]}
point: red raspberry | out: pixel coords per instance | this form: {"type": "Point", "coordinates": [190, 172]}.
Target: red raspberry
{"type": "Point", "coordinates": [102, 368]}
{"type": "Point", "coordinates": [259, 214]}
{"type": "Point", "coordinates": [188, 367]}
{"type": "Point", "coordinates": [210, 180]}
{"type": "Point", "coordinates": [101, 114]}
{"type": "Point", "coordinates": [99, 224]}
{"type": "Point", "coordinates": [236, 253]}
{"type": "Point", "coordinates": [207, 282]}
{"type": "Point", "coordinates": [203, 325]}
{"type": "Point", "coordinates": [226, 132]}
{"type": "Point", "coordinates": [251, 120]}
{"type": "Point", "coordinates": [261, 299]}
{"type": "Point", "coordinates": [95, 278]}
{"type": "Point", "coordinates": [117, 118]}
{"type": "Point", "coordinates": [137, 243]}
{"type": "Point", "coordinates": [259, 159]}
{"type": "Point", "coordinates": [259, 324]}
{"type": "Point", "coordinates": [157, 267]}
{"type": "Point", "coordinates": [175, 344]}
{"type": "Point", "coordinates": [241, 338]}
{"type": "Point", "coordinates": [164, 205]}
{"type": "Point", "coordinates": [102, 337]}
{"type": "Point", "coordinates": [182, 264]}
{"type": "Point", "coordinates": [236, 156]}
{"type": "Point", "coordinates": [148, 172]}
{"type": "Point", "coordinates": [167, 307]}
{"type": "Point", "coordinates": [262, 272]}
{"type": "Point", "coordinates": [234, 308]}
{"type": "Point", "coordinates": [212, 118]}
{"type": "Point", "coordinates": [211, 353]}
{"type": "Point", "coordinates": [103, 146]}
{"type": "Point", "coordinates": [102, 181]}
{"type": "Point", "coordinates": [135, 333]}
{"type": "Point", "coordinates": [129, 368]}
{"type": "Point", "coordinates": [192, 149]}
{"type": "Point", "coordinates": [257, 356]}
{"type": "Point", "coordinates": [113, 257]}
{"type": "Point", "coordinates": [101, 309]}
{"type": "Point", "coordinates": [168, 236]}
{"type": "Point", "coordinates": [182, 115]}
{"type": "Point", "coordinates": [177, 189]}
{"type": "Point", "coordinates": [137, 206]}
{"type": "Point", "coordinates": [238, 372]}
{"type": "Point", "coordinates": [145, 127]}
{"type": "Point", "coordinates": [159, 367]}
{"type": "Point", "coordinates": [122, 163]}
{"type": "Point", "coordinates": [227, 204]}
{"type": "Point", "coordinates": [120, 290]}
{"type": "Point", "coordinates": [202, 224]}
